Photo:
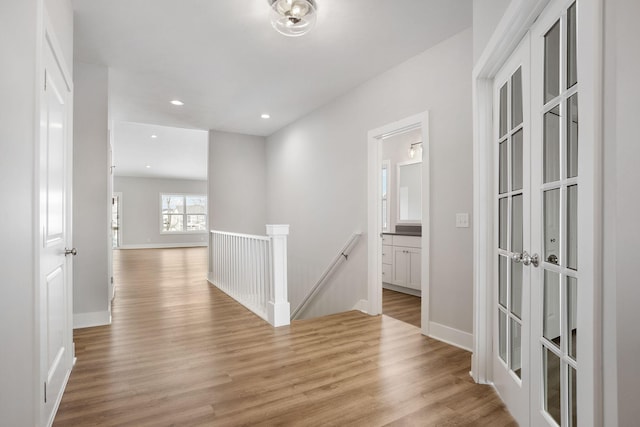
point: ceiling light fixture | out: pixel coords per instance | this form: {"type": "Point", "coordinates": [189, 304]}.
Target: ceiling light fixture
{"type": "Point", "coordinates": [265, 116]}
{"type": "Point", "coordinates": [293, 18]}
{"type": "Point", "coordinates": [148, 166]}
{"type": "Point", "coordinates": [412, 148]}
{"type": "Point", "coordinates": [177, 102]}
{"type": "Point", "coordinates": [154, 136]}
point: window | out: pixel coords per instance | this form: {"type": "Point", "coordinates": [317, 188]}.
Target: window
{"type": "Point", "coordinates": [183, 213]}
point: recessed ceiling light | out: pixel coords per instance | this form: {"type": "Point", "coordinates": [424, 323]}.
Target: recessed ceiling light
{"type": "Point", "coordinates": [177, 102]}
{"type": "Point", "coordinates": [148, 166]}
{"type": "Point", "coordinates": [265, 116]}
{"type": "Point", "coordinates": [154, 136]}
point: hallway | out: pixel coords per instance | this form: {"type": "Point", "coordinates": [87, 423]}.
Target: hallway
{"type": "Point", "coordinates": [180, 352]}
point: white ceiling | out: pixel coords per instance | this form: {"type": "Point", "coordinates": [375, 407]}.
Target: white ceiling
{"type": "Point", "coordinates": [174, 153]}
{"type": "Point", "coordinates": [223, 59]}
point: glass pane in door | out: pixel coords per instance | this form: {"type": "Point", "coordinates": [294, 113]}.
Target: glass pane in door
{"type": "Point", "coordinates": [572, 136]}
{"type": "Point", "coordinates": [502, 335]}
{"type": "Point", "coordinates": [572, 316]}
{"type": "Point", "coordinates": [551, 145]}
{"type": "Point", "coordinates": [551, 223]}
{"type": "Point", "coordinates": [572, 51]}
{"type": "Point", "coordinates": [516, 98]}
{"type": "Point", "coordinates": [516, 161]}
{"type": "Point", "coordinates": [551, 366]}
{"type": "Point", "coordinates": [516, 348]}
{"type": "Point", "coordinates": [551, 309]}
{"type": "Point", "coordinates": [572, 227]}
{"type": "Point", "coordinates": [504, 125]}
{"type": "Point", "coordinates": [552, 63]}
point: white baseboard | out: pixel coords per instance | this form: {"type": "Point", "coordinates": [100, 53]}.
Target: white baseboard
{"type": "Point", "coordinates": [361, 305]}
{"type": "Point", "coordinates": [455, 337]}
{"type": "Point", "coordinates": [164, 245]}
{"type": "Point", "coordinates": [89, 320]}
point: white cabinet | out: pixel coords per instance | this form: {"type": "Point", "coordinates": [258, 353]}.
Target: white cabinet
{"type": "Point", "coordinates": [401, 261]}
{"type": "Point", "coordinates": [406, 267]}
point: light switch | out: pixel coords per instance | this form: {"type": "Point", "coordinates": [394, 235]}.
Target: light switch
{"type": "Point", "coordinates": [462, 220]}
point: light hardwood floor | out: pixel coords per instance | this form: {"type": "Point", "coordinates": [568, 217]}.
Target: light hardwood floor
{"type": "Point", "coordinates": [401, 306]}
{"type": "Point", "coordinates": [180, 352]}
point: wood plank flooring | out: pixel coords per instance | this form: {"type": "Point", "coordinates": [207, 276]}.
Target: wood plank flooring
{"type": "Point", "coordinates": [180, 352]}
{"type": "Point", "coordinates": [401, 306]}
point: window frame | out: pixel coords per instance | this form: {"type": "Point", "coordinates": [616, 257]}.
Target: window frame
{"type": "Point", "coordinates": [183, 214]}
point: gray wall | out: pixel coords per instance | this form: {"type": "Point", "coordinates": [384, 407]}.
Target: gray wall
{"type": "Point", "coordinates": [621, 292]}
{"type": "Point", "coordinates": [140, 221]}
{"type": "Point", "coordinates": [486, 16]}
{"type": "Point", "coordinates": [237, 183]}
{"type": "Point", "coordinates": [91, 196]}
{"type": "Point", "coordinates": [317, 179]}
{"type": "Point", "coordinates": [19, 355]}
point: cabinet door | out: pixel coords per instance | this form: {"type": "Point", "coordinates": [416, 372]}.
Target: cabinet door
{"type": "Point", "coordinates": [415, 268]}
{"type": "Point", "coordinates": [400, 265]}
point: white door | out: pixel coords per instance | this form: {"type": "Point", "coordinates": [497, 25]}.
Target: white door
{"type": "Point", "coordinates": [56, 356]}
{"type": "Point", "coordinates": [538, 175]}
{"type": "Point", "coordinates": [512, 192]}
{"type": "Point", "coordinates": [555, 174]}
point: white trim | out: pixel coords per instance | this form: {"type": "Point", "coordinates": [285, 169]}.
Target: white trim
{"type": "Point", "coordinates": [374, 227]}
{"type": "Point", "coordinates": [89, 320]}
{"type": "Point", "coordinates": [361, 306]}
{"type": "Point", "coordinates": [515, 24]}
{"type": "Point", "coordinates": [164, 245]}
{"type": "Point", "coordinates": [455, 337]}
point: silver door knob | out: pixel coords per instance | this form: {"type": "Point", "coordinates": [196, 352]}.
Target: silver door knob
{"type": "Point", "coordinates": [526, 259]}
{"type": "Point", "coordinates": [530, 259]}
{"type": "Point", "coordinates": [72, 251]}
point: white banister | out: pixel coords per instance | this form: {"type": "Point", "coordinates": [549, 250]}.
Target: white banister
{"type": "Point", "coordinates": [342, 255]}
{"type": "Point", "coordinates": [278, 309]}
{"type": "Point", "coordinates": [252, 270]}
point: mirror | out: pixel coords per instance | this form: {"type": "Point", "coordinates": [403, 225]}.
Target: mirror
{"type": "Point", "coordinates": [409, 192]}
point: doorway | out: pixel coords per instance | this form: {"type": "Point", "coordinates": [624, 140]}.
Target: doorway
{"type": "Point", "coordinates": [535, 232]}
{"type": "Point", "coordinates": [399, 255]}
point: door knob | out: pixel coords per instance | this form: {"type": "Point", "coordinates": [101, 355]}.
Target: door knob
{"type": "Point", "coordinates": [530, 259]}
{"type": "Point", "coordinates": [526, 259]}
{"type": "Point", "coordinates": [72, 251]}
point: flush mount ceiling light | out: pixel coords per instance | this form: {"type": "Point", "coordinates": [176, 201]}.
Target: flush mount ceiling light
{"type": "Point", "coordinates": [177, 102]}
{"type": "Point", "coordinates": [293, 18]}
{"type": "Point", "coordinates": [265, 116]}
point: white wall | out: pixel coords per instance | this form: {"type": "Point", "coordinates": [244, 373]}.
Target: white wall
{"type": "Point", "coordinates": [91, 198]}
{"type": "Point", "coordinates": [317, 179]}
{"type": "Point", "coordinates": [396, 150]}
{"type": "Point", "coordinates": [19, 360]}
{"type": "Point", "coordinates": [140, 204]}
{"type": "Point", "coordinates": [621, 292]}
{"type": "Point", "coordinates": [486, 16]}
{"type": "Point", "coordinates": [237, 183]}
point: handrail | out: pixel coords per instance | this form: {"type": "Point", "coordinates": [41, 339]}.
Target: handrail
{"type": "Point", "coordinates": [343, 254]}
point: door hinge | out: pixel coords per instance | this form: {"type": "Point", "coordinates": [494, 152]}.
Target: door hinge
{"type": "Point", "coordinates": [112, 280]}
{"type": "Point", "coordinates": [45, 79]}
{"type": "Point", "coordinates": [45, 392]}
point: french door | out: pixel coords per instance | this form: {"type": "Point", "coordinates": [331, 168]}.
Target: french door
{"type": "Point", "coordinates": [537, 281]}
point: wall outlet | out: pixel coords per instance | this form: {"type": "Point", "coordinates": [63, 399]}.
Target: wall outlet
{"type": "Point", "coordinates": [462, 220]}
